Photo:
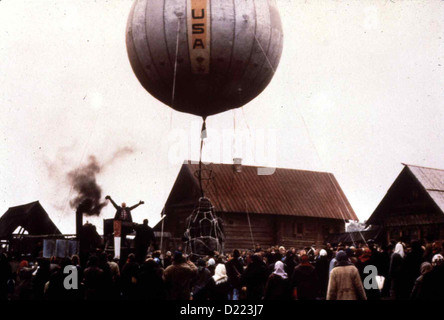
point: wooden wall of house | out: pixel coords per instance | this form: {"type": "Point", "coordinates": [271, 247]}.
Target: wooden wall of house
{"type": "Point", "coordinates": [300, 232]}
{"type": "Point", "coordinates": [415, 232]}
{"type": "Point", "coordinates": [266, 230]}
{"type": "Point", "coordinates": [270, 230]}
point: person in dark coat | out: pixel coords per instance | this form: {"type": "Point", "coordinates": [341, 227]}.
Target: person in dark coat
{"type": "Point", "coordinates": [396, 262]}
{"type": "Point", "coordinates": [278, 284]}
{"type": "Point", "coordinates": [143, 239]}
{"type": "Point", "coordinates": [290, 262]}
{"type": "Point", "coordinates": [410, 269]}
{"type": "Point", "coordinates": [364, 260]}
{"type": "Point", "coordinates": [93, 280]}
{"type": "Point", "coordinates": [41, 278]}
{"type": "Point", "coordinates": [305, 281]}
{"type": "Point", "coordinates": [426, 267]}
{"type": "Point", "coordinates": [235, 269]}
{"type": "Point", "coordinates": [5, 275]}
{"type": "Point", "coordinates": [322, 268]}
{"type": "Point", "coordinates": [150, 285]}
{"type": "Point", "coordinates": [200, 281]}
{"type": "Point", "coordinates": [167, 260]}
{"type": "Point", "coordinates": [23, 288]}
{"type": "Point", "coordinates": [123, 212]}
{"type": "Point", "coordinates": [255, 277]}
{"type": "Point", "coordinates": [56, 289]}
{"type": "Point", "coordinates": [129, 277]}
{"type": "Point", "coordinates": [432, 283]}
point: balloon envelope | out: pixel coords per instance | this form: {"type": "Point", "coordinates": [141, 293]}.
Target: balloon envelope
{"type": "Point", "coordinates": [204, 56]}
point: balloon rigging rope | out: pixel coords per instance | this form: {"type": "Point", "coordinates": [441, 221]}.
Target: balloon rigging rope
{"type": "Point", "coordinates": [263, 51]}
{"type": "Point", "coordinates": [331, 180]}
{"type": "Point", "coordinates": [175, 63]}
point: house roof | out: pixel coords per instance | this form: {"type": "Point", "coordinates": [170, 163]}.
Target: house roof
{"type": "Point", "coordinates": [430, 181]}
{"type": "Point", "coordinates": [285, 192]}
{"type": "Point", "coordinates": [32, 217]}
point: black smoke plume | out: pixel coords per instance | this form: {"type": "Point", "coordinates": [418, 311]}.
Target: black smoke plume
{"type": "Point", "coordinates": [89, 194]}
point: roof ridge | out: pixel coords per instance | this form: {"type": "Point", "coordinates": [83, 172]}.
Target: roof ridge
{"type": "Point", "coordinates": [24, 205]}
{"type": "Point", "coordinates": [190, 162]}
{"type": "Point", "coordinates": [416, 166]}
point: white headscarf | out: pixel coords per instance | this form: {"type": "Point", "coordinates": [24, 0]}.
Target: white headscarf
{"type": "Point", "coordinates": [399, 249]}
{"type": "Point", "coordinates": [436, 258]}
{"type": "Point", "coordinates": [279, 270]}
{"type": "Point", "coordinates": [323, 253]}
{"type": "Point", "coordinates": [220, 274]}
{"type": "Point", "coordinates": [211, 262]}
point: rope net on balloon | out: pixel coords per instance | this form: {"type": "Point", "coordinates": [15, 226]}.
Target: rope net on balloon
{"type": "Point", "coordinates": [204, 233]}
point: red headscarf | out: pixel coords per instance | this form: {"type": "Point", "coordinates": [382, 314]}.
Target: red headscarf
{"type": "Point", "coordinates": [366, 255]}
{"type": "Point", "coordinates": [23, 264]}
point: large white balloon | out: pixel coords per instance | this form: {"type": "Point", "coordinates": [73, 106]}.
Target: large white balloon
{"type": "Point", "coordinates": [204, 56]}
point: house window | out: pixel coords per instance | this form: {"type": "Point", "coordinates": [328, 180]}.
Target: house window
{"type": "Point", "coordinates": [299, 228]}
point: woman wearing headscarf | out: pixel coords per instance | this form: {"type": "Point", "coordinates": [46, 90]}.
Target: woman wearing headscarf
{"type": "Point", "coordinates": [345, 282]}
{"type": "Point", "coordinates": [426, 267]}
{"type": "Point", "coordinates": [218, 287]}
{"type": "Point", "coordinates": [364, 260]}
{"type": "Point", "coordinates": [278, 285]}
{"type": "Point", "coordinates": [432, 285]}
{"type": "Point", "coordinates": [322, 268]}
{"type": "Point", "coordinates": [395, 273]}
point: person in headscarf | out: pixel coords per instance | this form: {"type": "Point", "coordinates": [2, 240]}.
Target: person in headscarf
{"type": "Point", "coordinates": [345, 282]}
{"type": "Point", "coordinates": [218, 287]}
{"type": "Point", "coordinates": [278, 284]}
{"type": "Point", "coordinates": [432, 285]}
{"type": "Point", "coordinates": [24, 281]}
{"type": "Point", "coordinates": [364, 260]}
{"type": "Point", "coordinates": [212, 266]}
{"type": "Point", "coordinates": [395, 270]}
{"type": "Point", "coordinates": [426, 267]}
{"type": "Point", "coordinates": [322, 268]}
{"type": "Point", "coordinates": [305, 282]}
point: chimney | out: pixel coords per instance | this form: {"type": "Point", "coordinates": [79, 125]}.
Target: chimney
{"type": "Point", "coordinates": [79, 222]}
{"type": "Point", "coordinates": [237, 164]}
{"type": "Point", "coordinates": [84, 207]}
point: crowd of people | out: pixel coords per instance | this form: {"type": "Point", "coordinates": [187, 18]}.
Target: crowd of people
{"type": "Point", "coordinates": [409, 271]}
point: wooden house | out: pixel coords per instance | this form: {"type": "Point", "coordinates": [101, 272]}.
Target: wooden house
{"type": "Point", "coordinates": [413, 207]}
{"type": "Point", "coordinates": [294, 208]}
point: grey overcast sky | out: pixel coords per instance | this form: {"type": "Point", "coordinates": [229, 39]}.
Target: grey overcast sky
{"type": "Point", "coordinates": [359, 90]}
